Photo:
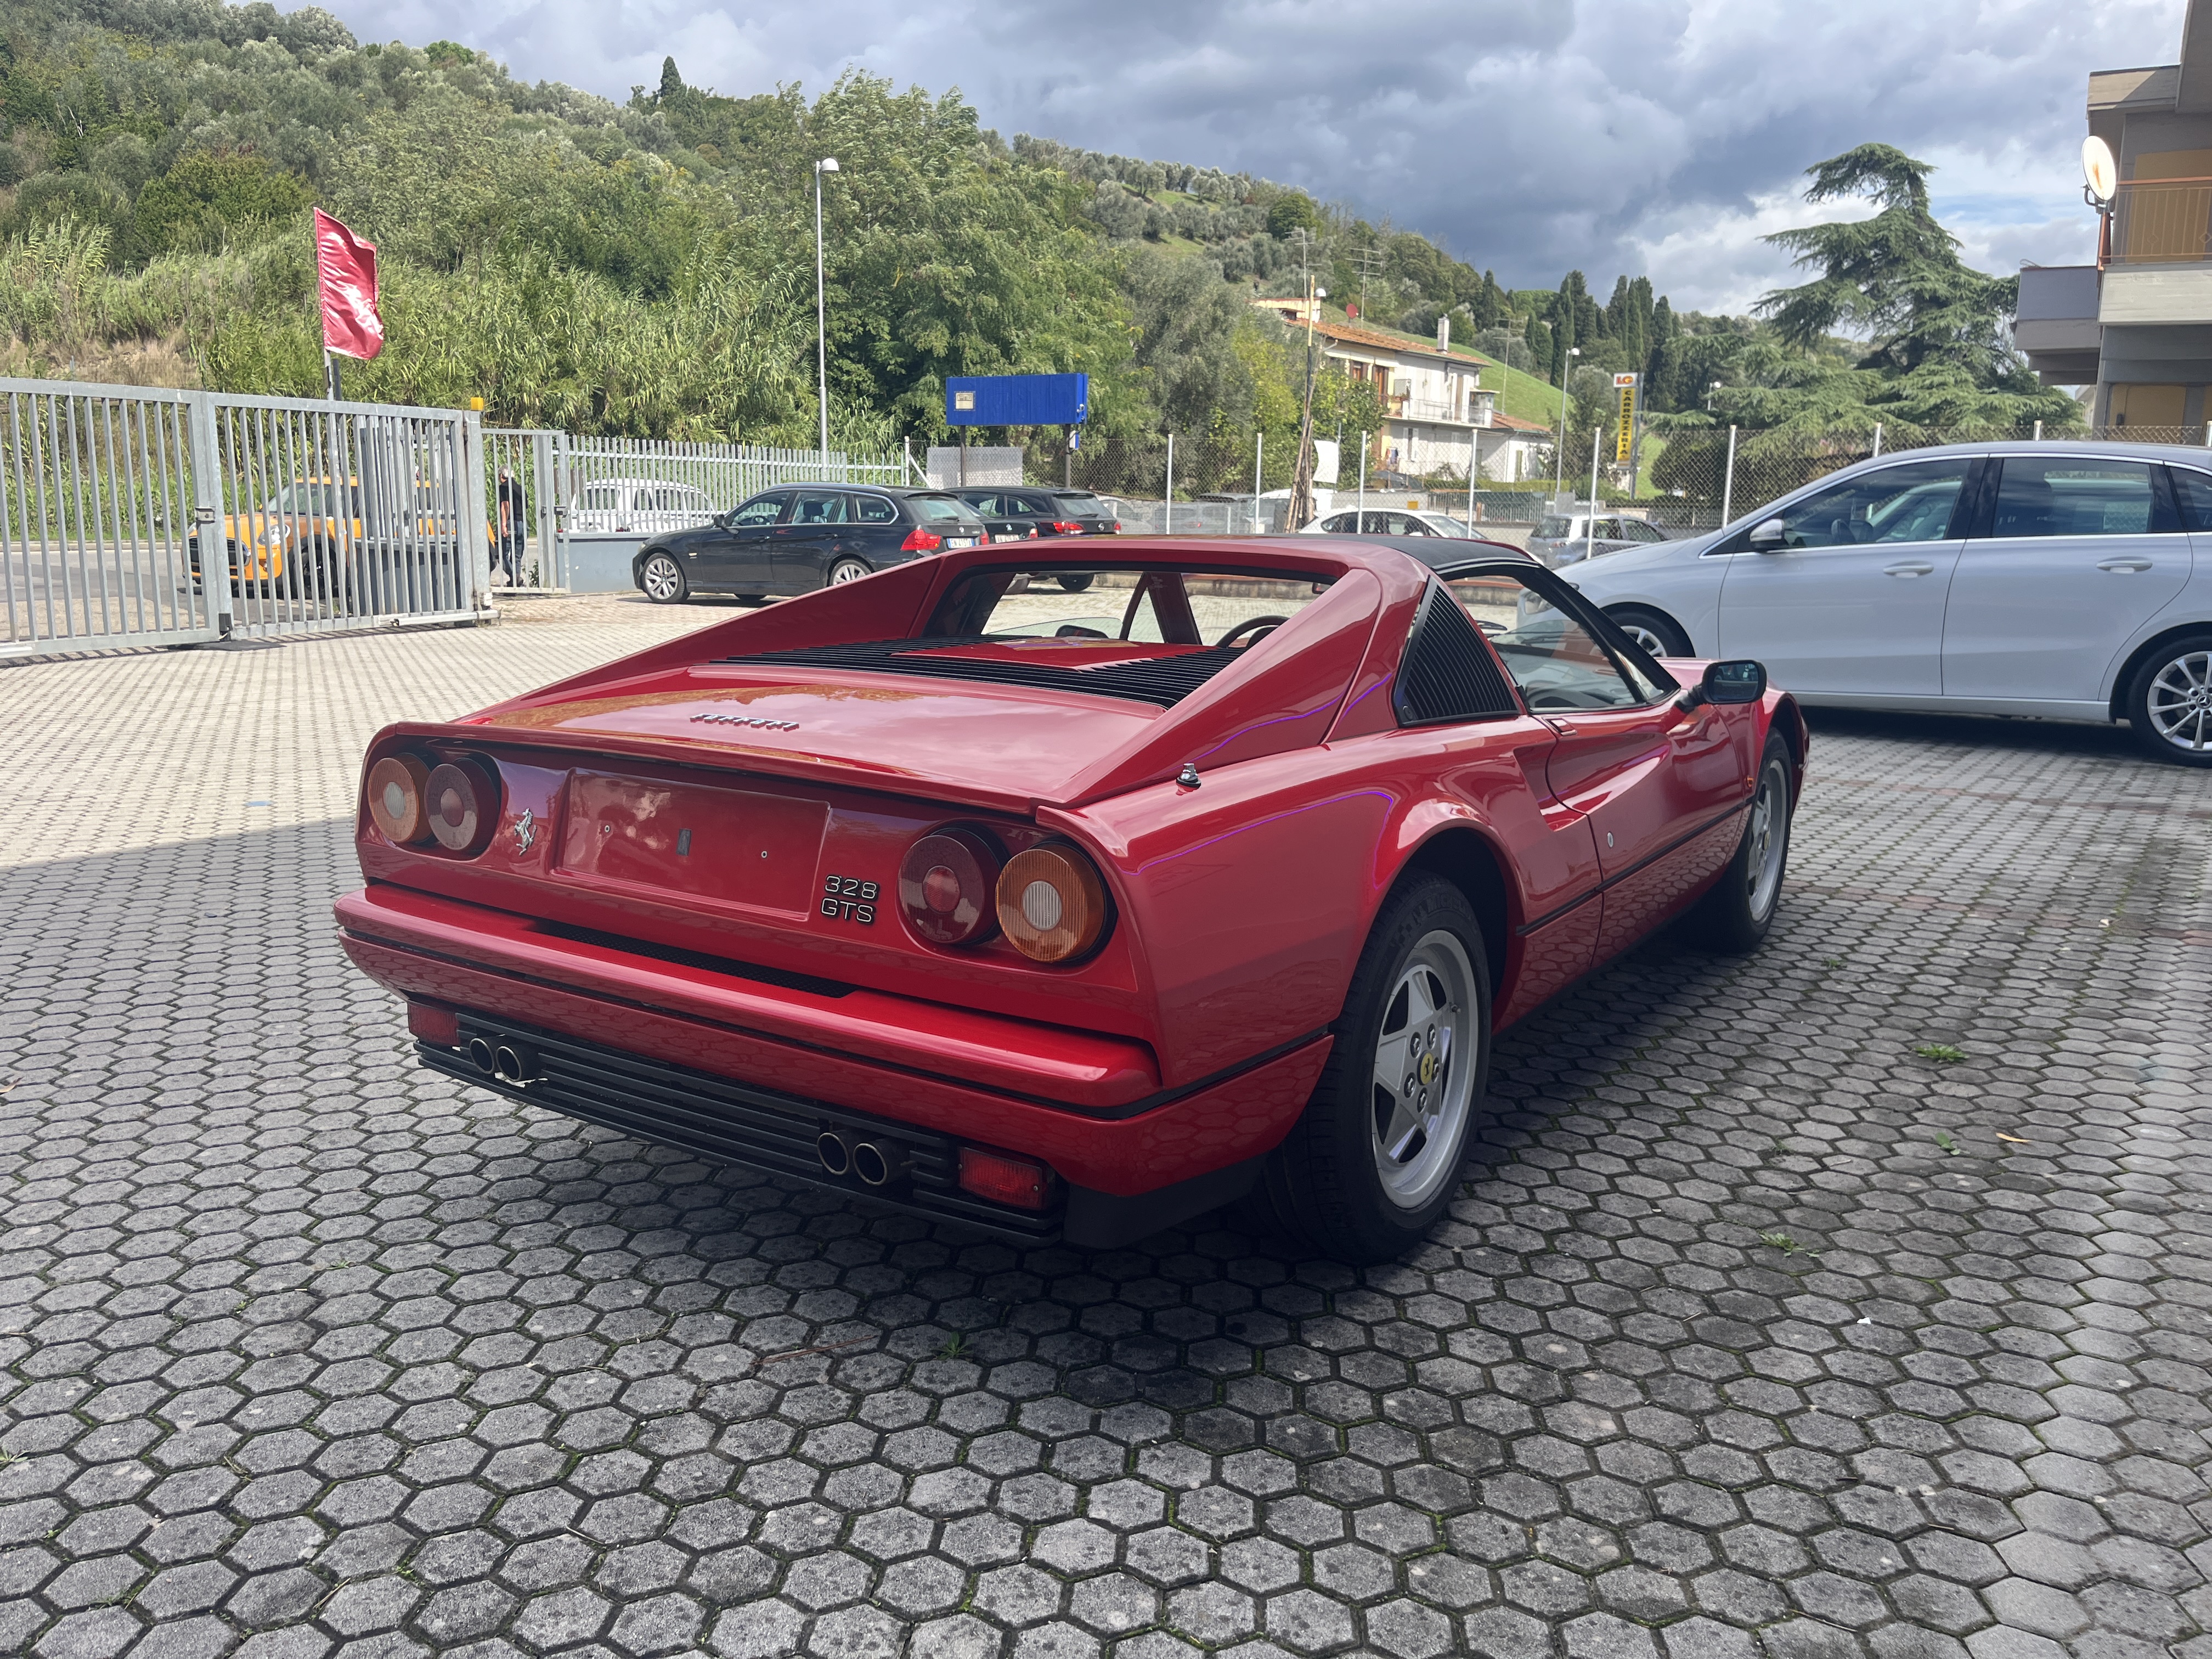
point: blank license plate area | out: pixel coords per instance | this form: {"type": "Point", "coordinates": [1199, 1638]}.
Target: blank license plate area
{"type": "Point", "coordinates": [732, 845]}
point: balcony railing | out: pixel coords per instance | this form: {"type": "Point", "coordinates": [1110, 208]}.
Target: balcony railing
{"type": "Point", "coordinates": [2157, 221]}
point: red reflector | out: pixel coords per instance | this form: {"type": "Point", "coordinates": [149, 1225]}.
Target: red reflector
{"type": "Point", "coordinates": [1004, 1180]}
{"type": "Point", "coordinates": [921, 541]}
{"type": "Point", "coordinates": [434, 1024]}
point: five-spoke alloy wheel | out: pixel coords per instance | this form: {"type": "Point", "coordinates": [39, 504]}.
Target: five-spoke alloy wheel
{"type": "Point", "coordinates": [2169, 707]}
{"type": "Point", "coordinates": [1374, 1160]}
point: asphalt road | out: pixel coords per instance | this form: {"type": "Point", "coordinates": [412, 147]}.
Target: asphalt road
{"type": "Point", "coordinates": [1852, 1299]}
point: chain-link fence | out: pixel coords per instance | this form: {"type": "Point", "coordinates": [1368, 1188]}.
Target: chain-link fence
{"type": "Point", "coordinates": [1686, 480]}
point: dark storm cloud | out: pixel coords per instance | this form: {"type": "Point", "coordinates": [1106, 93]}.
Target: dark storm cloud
{"type": "Point", "coordinates": [1643, 135]}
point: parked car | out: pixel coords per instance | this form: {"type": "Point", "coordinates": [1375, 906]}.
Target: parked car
{"type": "Point", "coordinates": [796, 537]}
{"type": "Point", "coordinates": [2062, 581]}
{"type": "Point", "coordinates": [1565, 538]}
{"type": "Point", "coordinates": [1072, 934]}
{"type": "Point", "coordinates": [1387, 522]}
{"type": "Point", "coordinates": [1046, 512]}
{"type": "Point", "coordinates": [613, 506]}
{"type": "Point", "coordinates": [1438, 551]}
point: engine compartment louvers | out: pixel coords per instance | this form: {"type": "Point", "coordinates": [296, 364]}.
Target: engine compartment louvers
{"type": "Point", "coordinates": [1164, 681]}
{"type": "Point", "coordinates": [1450, 674]}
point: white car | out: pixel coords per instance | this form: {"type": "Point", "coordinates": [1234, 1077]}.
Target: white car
{"type": "Point", "coordinates": [1565, 538]}
{"type": "Point", "coordinates": [2060, 579]}
{"type": "Point", "coordinates": [649, 505]}
{"type": "Point", "coordinates": [1387, 522]}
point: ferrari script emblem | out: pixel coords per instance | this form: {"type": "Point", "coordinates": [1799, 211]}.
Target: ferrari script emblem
{"type": "Point", "coordinates": [752, 720]}
{"type": "Point", "coordinates": [526, 831]}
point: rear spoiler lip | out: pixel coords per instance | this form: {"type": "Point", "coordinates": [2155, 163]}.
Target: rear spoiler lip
{"type": "Point", "coordinates": [720, 757]}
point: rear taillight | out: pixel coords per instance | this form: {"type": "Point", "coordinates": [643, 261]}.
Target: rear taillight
{"type": "Point", "coordinates": [921, 541]}
{"type": "Point", "coordinates": [1003, 1180]}
{"type": "Point", "coordinates": [1062, 528]}
{"type": "Point", "coordinates": [461, 799]}
{"type": "Point", "coordinates": [396, 798]}
{"type": "Point", "coordinates": [1051, 904]}
{"type": "Point", "coordinates": [948, 888]}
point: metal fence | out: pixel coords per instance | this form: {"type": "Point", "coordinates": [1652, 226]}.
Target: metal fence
{"type": "Point", "coordinates": [138, 517]}
{"type": "Point", "coordinates": [547, 488]}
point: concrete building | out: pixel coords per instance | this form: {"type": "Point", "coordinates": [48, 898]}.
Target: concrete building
{"type": "Point", "coordinates": [2138, 323]}
{"type": "Point", "coordinates": [1434, 397]}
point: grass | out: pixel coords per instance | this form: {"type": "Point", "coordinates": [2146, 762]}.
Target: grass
{"type": "Point", "coordinates": [1942, 1053]}
{"type": "Point", "coordinates": [1781, 1241]}
{"type": "Point", "coordinates": [1943, 1140]}
{"type": "Point", "coordinates": [954, 1345]}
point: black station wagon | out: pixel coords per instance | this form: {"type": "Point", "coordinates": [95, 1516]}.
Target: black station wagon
{"type": "Point", "coordinates": [796, 537]}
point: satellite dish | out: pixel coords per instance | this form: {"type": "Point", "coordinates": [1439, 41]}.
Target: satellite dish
{"type": "Point", "coordinates": [2098, 168]}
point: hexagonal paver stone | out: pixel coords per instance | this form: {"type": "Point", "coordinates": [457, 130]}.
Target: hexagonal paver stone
{"type": "Point", "coordinates": [1407, 1630]}
{"type": "Point", "coordinates": [760, 1630]}
{"type": "Point", "coordinates": [1113, 1603]}
{"type": "Point", "coordinates": [1307, 1623]}
{"type": "Point", "coordinates": [1166, 1556]}
{"type": "Point", "coordinates": [1073, 1547]}
{"type": "Point", "coordinates": [961, 1637]}
{"type": "Point", "coordinates": [1017, 1595]}
{"type": "Point", "coordinates": [1213, 1613]}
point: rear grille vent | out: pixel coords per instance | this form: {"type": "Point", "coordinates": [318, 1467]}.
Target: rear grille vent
{"type": "Point", "coordinates": [1164, 681]}
{"type": "Point", "coordinates": [1449, 672]}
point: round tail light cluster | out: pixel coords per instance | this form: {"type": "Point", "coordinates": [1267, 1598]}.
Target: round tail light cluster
{"type": "Point", "coordinates": [948, 886]}
{"type": "Point", "coordinates": [1049, 901]}
{"type": "Point", "coordinates": [454, 803]}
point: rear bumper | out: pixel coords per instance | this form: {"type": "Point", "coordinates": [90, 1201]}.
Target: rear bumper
{"type": "Point", "coordinates": [745, 1035]}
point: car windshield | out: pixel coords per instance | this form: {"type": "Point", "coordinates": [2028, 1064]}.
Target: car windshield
{"type": "Point", "coordinates": [301, 496]}
{"type": "Point", "coordinates": [1171, 611]}
{"type": "Point", "coordinates": [929, 508]}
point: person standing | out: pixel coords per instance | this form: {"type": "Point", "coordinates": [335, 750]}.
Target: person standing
{"type": "Point", "coordinates": [514, 527]}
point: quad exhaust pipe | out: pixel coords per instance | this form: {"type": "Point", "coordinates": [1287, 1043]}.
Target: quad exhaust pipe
{"type": "Point", "coordinates": [877, 1164]}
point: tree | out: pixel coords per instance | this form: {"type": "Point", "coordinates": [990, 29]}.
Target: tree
{"type": "Point", "coordinates": [1293, 210]}
{"type": "Point", "coordinates": [672, 83]}
{"type": "Point", "coordinates": [1930, 337]}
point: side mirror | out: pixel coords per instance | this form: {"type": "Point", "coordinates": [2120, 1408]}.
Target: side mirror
{"type": "Point", "coordinates": [1768, 537]}
{"type": "Point", "coordinates": [1738, 680]}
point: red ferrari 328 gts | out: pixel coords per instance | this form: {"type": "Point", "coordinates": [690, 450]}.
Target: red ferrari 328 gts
{"type": "Point", "coordinates": [1072, 915]}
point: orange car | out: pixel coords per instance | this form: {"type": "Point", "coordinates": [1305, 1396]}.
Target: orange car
{"type": "Point", "coordinates": [299, 537]}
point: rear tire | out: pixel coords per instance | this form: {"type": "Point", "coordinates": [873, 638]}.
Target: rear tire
{"type": "Point", "coordinates": [1658, 634]}
{"type": "Point", "coordinates": [1734, 915]}
{"type": "Point", "coordinates": [1373, 1161]}
{"type": "Point", "coordinates": [1075, 584]}
{"type": "Point", "coordinates": [2169, 706]}
{"type": "Point", "coordinates": [663, 581]}
{"type": "Point", "coordinates": [846, 570]}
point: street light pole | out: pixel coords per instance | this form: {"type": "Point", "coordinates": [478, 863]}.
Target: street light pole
{"type": "Point", "coordinates": [1559, 458]}
{"type": "Point", "coordinates": [827, 164]}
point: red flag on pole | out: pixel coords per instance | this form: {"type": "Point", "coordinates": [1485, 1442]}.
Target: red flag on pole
{"type": "Point", "coordinates": [345, 268]}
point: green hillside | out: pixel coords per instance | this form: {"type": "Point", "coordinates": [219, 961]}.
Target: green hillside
{"type": "Point", "coordinates": [645, 268]}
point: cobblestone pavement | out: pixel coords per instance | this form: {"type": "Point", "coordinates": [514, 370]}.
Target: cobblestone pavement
{"type": "Point", "coordinates": [1849, 1299]}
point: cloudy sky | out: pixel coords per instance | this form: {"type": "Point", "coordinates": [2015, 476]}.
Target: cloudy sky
{"type": "Point", "coordinates": [1661, 136]}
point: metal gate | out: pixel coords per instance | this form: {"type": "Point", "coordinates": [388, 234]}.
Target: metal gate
{"type": "Point", "coordinates": [137, 517]}
{"type": "Point", "coordinates": [525, 469]}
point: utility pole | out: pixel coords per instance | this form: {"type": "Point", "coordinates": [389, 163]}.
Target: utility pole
{"type": "Point", "coordinates": [827, 164]}
{"type": "Point", "coordinates": [1302, 484]}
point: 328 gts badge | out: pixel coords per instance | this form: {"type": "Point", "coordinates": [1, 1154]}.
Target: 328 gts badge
{"type": "Point", "coordinates": [848, 898]}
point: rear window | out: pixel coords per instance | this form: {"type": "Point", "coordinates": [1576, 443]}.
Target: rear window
{"type": "Point", "coordinates": [927, 507]}
{"type": "Point", "coordinates": [1553, 528]}
{"type": "Point", "coordinates": [1071, 500]}
{"type": "Point", "coordinates": [1188, 609]}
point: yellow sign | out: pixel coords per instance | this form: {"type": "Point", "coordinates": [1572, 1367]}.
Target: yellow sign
{"type": "Point", "coordinates": [1624, 437]}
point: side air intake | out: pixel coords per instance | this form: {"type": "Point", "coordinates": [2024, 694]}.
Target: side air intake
{"type": "Point", "coordinates": [1450, 674]}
